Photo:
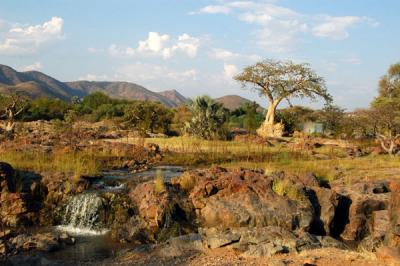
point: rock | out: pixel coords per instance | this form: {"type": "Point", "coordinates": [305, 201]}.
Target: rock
{"type": "Point", "coordinates": [181, 245]}
{"type": "Point", "coordinates": [393, 234]}
{"type": "Point", "coordinates": [356, 206]}
{"type": "Point", "coordinates": [7, 178]}
{"type": "Point", "coordinates": [263, 250]}
{"type": "Point", "coordinates": [325, 202]}
{"type": "Point", "coordinates": [239, 198]}
{"type": "Point", "coordinates": [166, 214]}
{"type": "Point", "coordinates": [330, 242]}
{"type": "Point", "coordinates": [217, 240]}
{"type": "Point", "coordinates": [271, 131]}
{"type": "Point", "coordinates": [388, 256]}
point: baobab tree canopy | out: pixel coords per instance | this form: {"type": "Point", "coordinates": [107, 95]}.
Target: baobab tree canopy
{"type": "Point", "coordinates": [279, 80]}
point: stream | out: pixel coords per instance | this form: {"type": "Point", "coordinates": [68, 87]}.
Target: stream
{"type": "Point", "coordinates": [81, 220]}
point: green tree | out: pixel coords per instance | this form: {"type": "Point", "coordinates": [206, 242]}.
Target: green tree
{"type": "Point", "coordinates": [46, 109]}
{"type": "Point", "coordinates": [148, 116]}
{"type": "Point", "coordinates": [386, 110]}
{"type": "Point", "coordinates": [208, 118]}
{"type": "Point", "coordinates": [332, 117]}
{"type": "Point", "coordinates": [293, 117]}
{"type": "Point", "coordinates": [279, 80]}
{"type": "Point", "coordinates": [92, 101]}
{"type": "Point", "coordinates": [251, 121]}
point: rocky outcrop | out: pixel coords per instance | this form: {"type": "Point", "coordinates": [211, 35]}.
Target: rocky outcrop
{"type": "Point", "coordinates": [164, 209]}
{"type": "Point", "coordinates": [12, 243]}
{"type": "Point", "coordinates": [239, 198]}
{"type": "Point", "coordinates": [390, 252]}
{"type": "Point", "coordinates": [357, 208]}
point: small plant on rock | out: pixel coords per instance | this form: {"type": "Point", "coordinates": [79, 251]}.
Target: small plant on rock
{"type": "Point", "coordinates": [285, 188]}
{"type": "Point", "coordinates": [159, 185]}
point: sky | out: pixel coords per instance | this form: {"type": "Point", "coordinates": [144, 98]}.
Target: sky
{"type": "Point", "coordinates": [197, 46]}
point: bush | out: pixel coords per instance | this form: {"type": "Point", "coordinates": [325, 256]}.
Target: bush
{"type": "Point", "coordinates": [208, 121]}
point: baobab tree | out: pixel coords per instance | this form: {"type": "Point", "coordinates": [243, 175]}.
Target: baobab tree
{"type": "Point", "coordinates": [278, 81]}
{"type": "Point", "coordinates": [10, 107]}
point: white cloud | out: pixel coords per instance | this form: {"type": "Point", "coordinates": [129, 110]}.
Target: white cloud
{"type": "Point", "coordinates": [226, 55]}
{"type": "Point", "coordinates": [23, 39]}
{"type": "Point", "coordinates": [212, 9]}
{"type": "Point", "coordinates": [336, 28]}
{"type": "Point", "coordinates": [280, 29]}
{"type": "Point", "coordinates": [230, 70]}
{"type": "Point", "coordinates": [34, 66]}
{"type": "Point", "coordinates": [160, 45]}
{"type": "Point", "coordinates": [94, 77]}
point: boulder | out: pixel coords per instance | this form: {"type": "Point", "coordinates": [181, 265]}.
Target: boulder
{"type": "Point", "coordinates": [393, 233]}
{"type": "Point", "coordinates": [7, 178]}
{"type": "Point", "coordinates": [166, 212]}
{"type": "Point", "coordinates": [239, 198]}
{"type": "Point", "coordinates": [356, 208]}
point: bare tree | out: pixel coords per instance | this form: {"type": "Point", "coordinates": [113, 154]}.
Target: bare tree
{"type": "Point", "coordinates": [278, 80]}
{"type": "Point", "coordinates": [10, 107]}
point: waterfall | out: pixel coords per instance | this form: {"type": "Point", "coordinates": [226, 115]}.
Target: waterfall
{"type": "Point", "coordinates": [82, 215]}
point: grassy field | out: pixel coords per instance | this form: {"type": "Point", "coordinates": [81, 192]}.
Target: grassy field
{"type": "Point", "coordinates": [201, 153]}
{"type": "Point", "coordinates": [193, 153]}
{"type": "Point", "coordinates": [74, 163]}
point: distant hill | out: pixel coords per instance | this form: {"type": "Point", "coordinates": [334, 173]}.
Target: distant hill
{"type": "Point", "coordinates": [121, 90]}
{"type": "Point", "coordinates": [174, 96]}
{"type": "Point", "coordinates": [35, 84]}
{"type": "Point", "coordinates": [232, 102]}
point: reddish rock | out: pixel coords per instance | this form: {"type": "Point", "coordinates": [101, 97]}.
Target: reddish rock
{"type": "Point", "coordinates": [359, 202]}
{"type": "Point", "coordinates": [393, 234]}
{"type": "Point", "coordinates": [237, 198]}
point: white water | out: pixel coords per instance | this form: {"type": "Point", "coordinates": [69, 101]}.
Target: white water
{"type": "Point", "coordinates": [81, 215]}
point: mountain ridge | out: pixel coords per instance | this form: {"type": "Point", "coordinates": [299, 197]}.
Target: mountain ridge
{"type": "Point", "coordinates": [35, 84]}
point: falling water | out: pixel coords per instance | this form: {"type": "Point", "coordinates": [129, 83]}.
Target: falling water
{"type": "Point", "coordinates": [82, 215]}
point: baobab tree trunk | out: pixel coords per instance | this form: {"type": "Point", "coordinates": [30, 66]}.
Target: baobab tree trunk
{"type": "Point", "coordinates": [269, 128]}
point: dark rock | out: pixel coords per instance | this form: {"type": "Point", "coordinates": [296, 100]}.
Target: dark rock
{"type": "Point", "coordinates": [7, 178]}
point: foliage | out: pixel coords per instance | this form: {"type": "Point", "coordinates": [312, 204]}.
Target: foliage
{"type": "Point", "coordinates": [293, 117]}
{"type": "Point", "coordinates": [332, 118]}
{"type": "Point", "coordinates": [208, 119]}
{"type": "Point", "coordinates": [182, 115]}
{"type": "Point", "coordinates": [386, 110]}
{"type": "Point", "coordinates": [46, 109]}
{"type": "Point", "coordinates": [159, 184]}
{"type": "Point", "coordinates": [251, 123]}
{"type": "Point", "coordinates": [148, 116]}
{"type": "Point", "coordinates": [246, 116]}
{"type": "Point", "coordinates": [285, 188]}
{"type": "Point", "coordinates": [279, 80]}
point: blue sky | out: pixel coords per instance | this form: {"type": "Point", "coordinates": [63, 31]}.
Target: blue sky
{"type": "Point", "coordinates": [197, 46]}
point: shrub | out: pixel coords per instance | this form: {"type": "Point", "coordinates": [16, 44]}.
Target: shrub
{"type": "Point", "coordinates": [285, 188]}
{"type": "Point", "coordinates": [159, 185]}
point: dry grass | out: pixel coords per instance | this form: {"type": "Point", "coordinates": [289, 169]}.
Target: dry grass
{"type": "Point", "coordinates": [159, 184]}
{"type": "Point", "coordinates": [370, 167]}
{"type": "Point", "coordinates": [75, 163]}
{"type": "Point", "coordinates": [285, 188]}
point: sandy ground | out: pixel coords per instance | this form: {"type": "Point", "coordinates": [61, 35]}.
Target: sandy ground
{"type": "Point", "coordinates": [225, 257]}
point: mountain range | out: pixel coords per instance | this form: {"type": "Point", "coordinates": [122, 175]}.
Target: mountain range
{"type": "Point", "coordinates": [35, 84]}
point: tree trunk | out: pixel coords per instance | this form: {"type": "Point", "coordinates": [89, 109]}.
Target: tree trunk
{"type": "Point", "coordinates": [388, 143]}
{"type": "Point", "coordinates": [270, 117]}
